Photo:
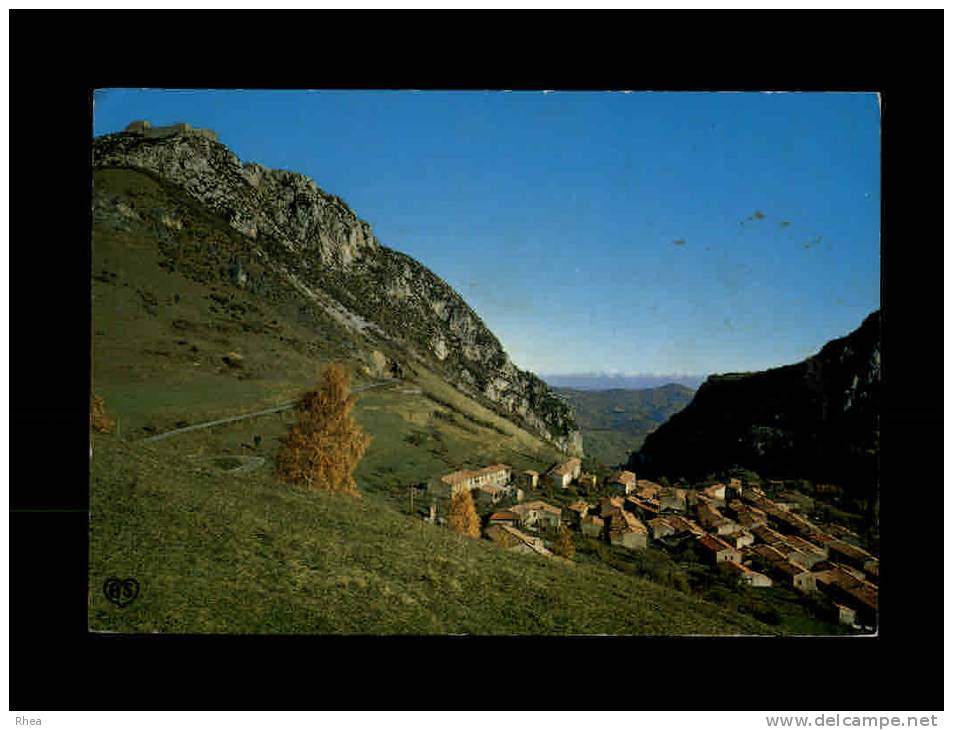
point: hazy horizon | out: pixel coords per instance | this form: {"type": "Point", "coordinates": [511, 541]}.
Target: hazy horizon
{"type": "Point", "coordinates": [594, 231]}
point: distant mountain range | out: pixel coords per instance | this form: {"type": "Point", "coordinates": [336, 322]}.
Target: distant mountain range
{"type": "Point", "coordinates": [818, 419]}
{"type": "Point", "coordinates": [615, 422]}
{"type": "Point", "coordinates": [610, 381]}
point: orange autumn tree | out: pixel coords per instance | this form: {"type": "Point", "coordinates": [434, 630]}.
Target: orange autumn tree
{"type": "Point", "coordinates": [326, 444]}
{"type": "Point", "coordinates": [98, 417]}
{"type": "Point", "coordinates": [463, 516]}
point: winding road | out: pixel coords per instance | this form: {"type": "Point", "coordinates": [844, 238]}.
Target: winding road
{"type": "Point", "coordinates": [264, 412]}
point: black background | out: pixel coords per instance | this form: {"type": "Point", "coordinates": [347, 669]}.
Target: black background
{"type": "Point", "coordinates": [57, 58]}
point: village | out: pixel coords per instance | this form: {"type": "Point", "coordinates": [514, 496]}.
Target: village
{"type": "Point", "coordinates": [751, 539]}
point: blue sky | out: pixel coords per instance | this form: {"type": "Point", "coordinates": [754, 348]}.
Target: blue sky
{"type": "Point", "coordinates": [634, 233]}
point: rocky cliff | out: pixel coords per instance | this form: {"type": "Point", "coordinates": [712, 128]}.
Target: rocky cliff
{"type": "Point", "coordinates": [816, 419]}
{"type": "Point", "coordinates": [315, 246]}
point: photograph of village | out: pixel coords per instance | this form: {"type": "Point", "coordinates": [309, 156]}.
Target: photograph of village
{"type": "Point", "coordinates": [563, 363]}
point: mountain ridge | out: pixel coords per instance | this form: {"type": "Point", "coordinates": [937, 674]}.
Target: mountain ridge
{"type": "Point", "coordinates": [818, 418]}
{"type": "Point", "coordinates": [314, 243]}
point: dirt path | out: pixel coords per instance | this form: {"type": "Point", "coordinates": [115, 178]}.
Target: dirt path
{"type": "Point", "coordinates": [263, 412]}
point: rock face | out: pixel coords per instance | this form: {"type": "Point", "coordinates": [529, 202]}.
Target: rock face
{"type": "Point", "coordinates": [315, 244]}
{"type": "Point", "coordinates": [818, 419]}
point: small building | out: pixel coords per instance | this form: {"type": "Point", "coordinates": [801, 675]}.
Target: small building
{"type": "Point", "coordinates": [504, 517]}
{"type": "Point", "coordinates": [626, 530]}
{"type": "Point", "coordinates": [564, 474]}
{"type": "Point", "coordinates": [844, 552]}
{"type": "Point", "coordinates": [739, 538]}
{"type": "Point", "coordinates": [622, 483]}
{"type": "Point", "coordinates": [746, 575]}
{"type": "Point", "coordinates": [574, 512]}
{"type": "Point", "coordinates": [487, 495]}
{"type": "Point", "coordinates": [529, 479]}
{"type": "Point", "coordinates": [712, 520]}
{"type": "Point", "coordinates": [592, 526]}
{"type": "Point", "coordinates": [647, 509]}
{"type": "Point", "coordinates": [588, 481]}
{"type": "Point", "coordinates": [449, 484]}
{"type": "Point", "coordinates": [768, 536]}
{"type": "Point", "coordinates": [610, 504]}
{"type": "Point", "coordinates": [538, 515]}
{"type": "Point", "coordinates": [715, 492]}
{"type": "Point", "coordinates": [660, 528]}
{"type": "Point", "coordinates": [796, 576]}
{"type": "Point", "coordinates": [734, 489]}
{"type": "Point", "coordinates": [682, 526]}
{"type": "Point", "coordinates": [769, 554]}
{"type": "Point", "coordinates": [717, 550]}
{"type": "Point", "coordinates": [845, 614]}
{"type": "Point", "coordinates": [672, 499]}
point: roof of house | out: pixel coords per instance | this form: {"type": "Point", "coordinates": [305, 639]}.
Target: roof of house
{"type": "Point", "coordinates": [792, 569]}
{"type": "Point", "coordinates": [626, 522]}
{"type": "Point", "coordinates": [579, 506]}
{"type": "Point", "coordinates": [463, 475]}
{"type": "Point", "coordinates": [680, 524]}
{"type": "Point", "coordinates": [531, 472]}
{"type": "Point", "coordinates": [623, 477]}
{"type": "Point", "coordinates": [660, 523]}
{"type": "Point", "coordinates": [771, 554]}
{"type": "Point", "coordinates": [803, 545]}
{"type": "Point", "coordinates": [712, 490]}
{"type": "Point", "coordinates": [538, 504]}
{"type": "Point", "coordinates": [715, 544]}
{"type": "Point", "coordinates": [504, 515]}
{"type": "Point", "coordinates": [593, 520]}
{"type": "Point", "coordinates": [851, 551]}
{"type": "Point", "coordinates": [567, 467]}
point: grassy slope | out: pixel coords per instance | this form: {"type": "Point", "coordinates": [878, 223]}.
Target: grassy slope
{"type": "Point", "coordinates": [615, 422]}
{"type": "Point", "coordinates": [219, 552]}
{"type": "Point", "coordinates": [245, 554]}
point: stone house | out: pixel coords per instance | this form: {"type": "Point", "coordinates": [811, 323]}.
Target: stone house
{"type": "Point", "coordinates": [844, 552]}
{"type": "Point", "coordinates": [797, 576]}
{"type": "Point", "coordinates": [588, 481]}
{"type": "Point", "coordinates": [745, 574]}
{"type": "Point", "coordinates": [622, 483]}
{"type": "Point", "coordinates": [660, 528]}
{"type": "Point", "coordinates": [529, 479]}
{"type": "Point", "coordinates": [739, 538]}
{"type": "Point", "coordinates": [538, 515]}
{"type": "Point", "coordinates": [487, 495]}
{"type": "Point", "coordinates": [672, 499]}
{"type": "Point", "coordinates": [681, 525]}
{"type": "Point", "coordinates": [845, 614]}
{"type": "Point", "coordinates": [626, 530]}
{"type": "Point", "coordinates": [717, 550]}
{"type": "Point", "coordinates": [504, 517]}
{"type": "Point", "coordinates": [497, 475]}
{"type": "Point", "coordinates": [564, 474]}
{"type": "Point", "coordinates": [715, 492]}
{"type": "Point", "coordinates": [592, 526]}
{"type": "Point", "coordinates": [647, 509]}
{"type": "Point", "coordinates": [442, 489]}
{"type": "Point", "coordinates": [574, 512]}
